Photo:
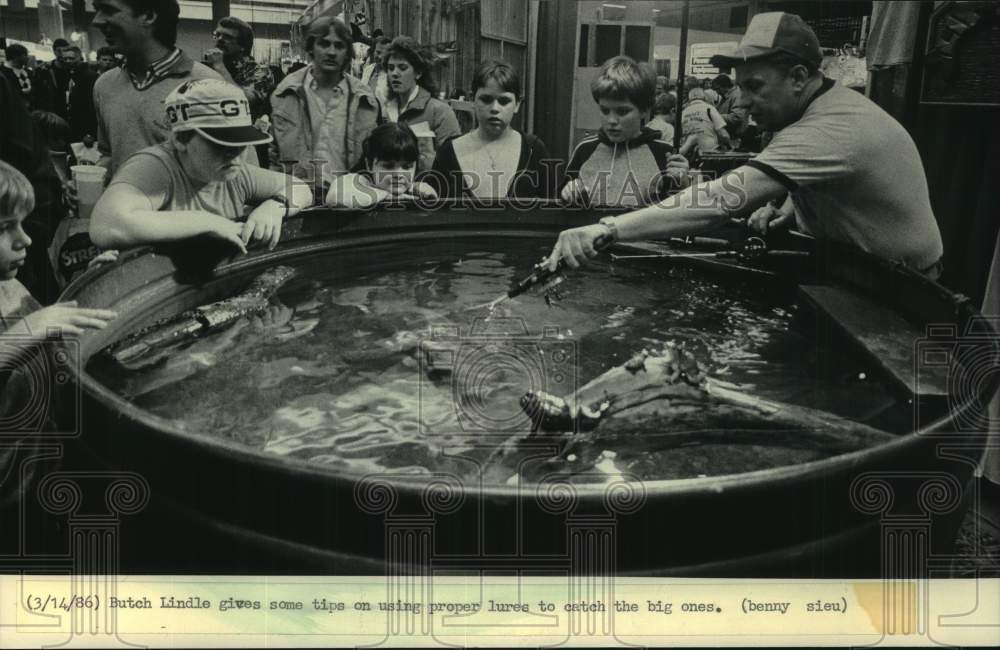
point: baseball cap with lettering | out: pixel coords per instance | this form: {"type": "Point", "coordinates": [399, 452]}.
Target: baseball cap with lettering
{"type": "Point", "coordinates": [772, 32]}
{"type": "Point", "coordinates": [216, 110]}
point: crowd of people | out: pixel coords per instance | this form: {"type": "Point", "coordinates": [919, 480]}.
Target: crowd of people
{"type": "Point", "coordinates": [227, 147]}
{"type": "Point", "coordinates": [315, 124]}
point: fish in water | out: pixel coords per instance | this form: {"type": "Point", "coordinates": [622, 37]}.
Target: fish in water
{"type": "Point", "coordinates": [670, 388]}
{"type": "Point", "coordinates": [255, 299]}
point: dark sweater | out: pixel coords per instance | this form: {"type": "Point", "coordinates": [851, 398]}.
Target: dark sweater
{"type": "Point", "coordinates": [627, 173]}
{"type": "Point", "coordinates": [535, 177]}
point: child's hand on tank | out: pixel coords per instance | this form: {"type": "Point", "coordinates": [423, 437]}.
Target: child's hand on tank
{"type": "Point", "coordinates": [264, 224]}
{"type": "Point", "coordinates": [573, 192]}
{"type": "Point", "coordinates": [421, 190]}
{"type": "Point", "coordinates": [106, 257]}
{"type": "Point", "coordinates": [226, 230]}
{"type": "Point", "coordinates": [63, 318]}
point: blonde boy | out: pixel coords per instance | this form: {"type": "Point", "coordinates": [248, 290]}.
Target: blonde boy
{"type": "Point", "coordinates": [626, 163]}
{"type": "Point", "coordinates": [21, 316]}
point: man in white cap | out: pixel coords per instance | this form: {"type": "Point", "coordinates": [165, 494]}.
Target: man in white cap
{"type": "Point", "coordinates": [197, 183]}
{"type": "Point", "coordinates": [850, 171]}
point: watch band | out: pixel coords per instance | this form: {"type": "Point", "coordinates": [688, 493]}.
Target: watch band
{"type": "Point", "coordinates": [283, 200]}
{"type": "Point", "coordinates": [612, 225]}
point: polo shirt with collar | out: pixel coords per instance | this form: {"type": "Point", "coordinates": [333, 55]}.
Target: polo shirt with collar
{"type": "Point", "coordinates": [130, 112]}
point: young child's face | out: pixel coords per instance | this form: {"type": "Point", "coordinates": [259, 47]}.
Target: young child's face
{"type": "Point", "coordinates": [620, 119]}
{"type": "Point", "coordinates": [393, 176]}
{"type": "Point", "coordinates": [495, 108]}
{"type": "Point", "coordinates": [14, 244]}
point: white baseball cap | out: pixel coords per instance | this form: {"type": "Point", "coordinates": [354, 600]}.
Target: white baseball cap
{"type": "Point", "coordinates": [216, 110]}
{"type": "Point", "coordinates": [772, 32]}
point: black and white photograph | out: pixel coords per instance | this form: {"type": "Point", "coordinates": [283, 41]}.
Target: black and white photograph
{"type": "Point", "coordinates": [499, 322]}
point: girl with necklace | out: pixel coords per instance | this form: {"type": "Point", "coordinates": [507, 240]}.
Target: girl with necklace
{"type": "Point", "coordinates": [494, 161]}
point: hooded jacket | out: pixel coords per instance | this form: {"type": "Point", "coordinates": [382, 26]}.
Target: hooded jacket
{"type": "Point", "coordinates": [624, 174]}
{"type": "Point", "coordinates": [292, 124]}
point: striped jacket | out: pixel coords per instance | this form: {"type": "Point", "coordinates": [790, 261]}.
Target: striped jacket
{"type": "Point", "coordinates": [624, 174]}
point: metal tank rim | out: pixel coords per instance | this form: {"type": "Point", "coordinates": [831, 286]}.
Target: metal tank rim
{"type": "Point", "coordinates": [317, 230]}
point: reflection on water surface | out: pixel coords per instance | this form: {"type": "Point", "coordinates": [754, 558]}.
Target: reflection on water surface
{"type": "Point", "coordinates": [391, 371]}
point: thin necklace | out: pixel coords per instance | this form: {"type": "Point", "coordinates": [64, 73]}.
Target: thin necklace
{"type": "Point", "coordinates": [493, 161]}
{"type": "Point", "coordinates": [486, 148]}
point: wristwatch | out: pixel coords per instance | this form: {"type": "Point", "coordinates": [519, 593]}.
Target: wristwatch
{"type": "Point", "coordinates": [283, 200]}
{"type": "Point", "coordinates": [612, 225]}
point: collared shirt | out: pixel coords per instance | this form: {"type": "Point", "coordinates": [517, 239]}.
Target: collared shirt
{"type": "Point", "coordinates": [156, 70]}
{"type": "Point", "coordinates": [328, 118]}
{"type": "Point", "coordinates": [23, 78]}
{"type": "Point", "coordinates": [394, 110]}
{"type": "Point", "coordinates": [254, 77]}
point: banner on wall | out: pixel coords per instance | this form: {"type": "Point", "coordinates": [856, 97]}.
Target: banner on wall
{"type": "Point", "coordinates": [701, 53]}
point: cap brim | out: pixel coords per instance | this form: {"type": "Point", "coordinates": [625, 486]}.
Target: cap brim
{"type": "Point", "coordinates": [234, 136]}
{"type": "Point", "coordinates": [740, 55]}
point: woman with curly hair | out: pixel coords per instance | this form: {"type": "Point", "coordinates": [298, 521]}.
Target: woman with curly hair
{"type": "Point", "coordinates": [411, 98]}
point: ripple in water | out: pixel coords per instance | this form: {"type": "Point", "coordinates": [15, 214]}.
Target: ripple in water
{"type": "Point", "coordinates": [391, 371]}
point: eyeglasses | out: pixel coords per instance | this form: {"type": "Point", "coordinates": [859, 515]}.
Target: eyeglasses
{"type": "Point", "coordinates": [219, 36]}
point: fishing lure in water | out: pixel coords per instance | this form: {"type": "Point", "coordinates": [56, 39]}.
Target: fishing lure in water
{"type": "Point", "coordinates": [549, 292]}
{"type": "Point", "coordinates": [542, 276]}
{"type": "Point", "coordinates": [252, 300]}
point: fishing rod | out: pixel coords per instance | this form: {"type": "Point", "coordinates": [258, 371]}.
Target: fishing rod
{"type": "Point", "coordinates": [754, 248]}
{"type": "Point", "coordinates": [541, 275]}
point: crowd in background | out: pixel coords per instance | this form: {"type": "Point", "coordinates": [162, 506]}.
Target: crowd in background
{"type": "Point", "coordinates": [321, 117]}
{"type": "Point", "coordinates": [226, 148]}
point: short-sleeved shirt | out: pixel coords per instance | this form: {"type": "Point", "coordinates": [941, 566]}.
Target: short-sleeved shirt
{"type": "Point", "coordinates": [855, 176]}
{"type": "Point", "coordinates": [665, 128]}
{"type": "Point", "coordinates": [15, 304]}
{"type": "Point", "coordinates": [156, 172]}
{"type": "Point", "coordinates": [702, 120]}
